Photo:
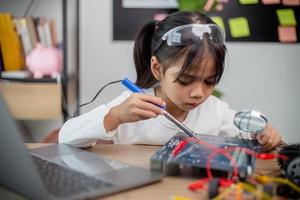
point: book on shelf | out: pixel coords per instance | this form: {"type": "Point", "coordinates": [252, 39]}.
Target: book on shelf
{"type": "Point", "coordinates": [53, 30]}
{"type": "Point", "coordinates": [1, 62]}
{"type": "Point", "coordinates": [15, 74]}
{"type": "Point", "coordinates": [32, 31]}
{"type": "Point", "coordinates": [13, 58]}
{"type": "Point", "coordinates": [23, 31]}
{"type": "Point", "coordinates": [46, 30]}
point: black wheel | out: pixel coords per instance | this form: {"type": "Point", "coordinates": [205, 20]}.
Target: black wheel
{"type": "Point", "coordinates": [213, 188]}
{"type": "Point", "coordinates": [290, 170]}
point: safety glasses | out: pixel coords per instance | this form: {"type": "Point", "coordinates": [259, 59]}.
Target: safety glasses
{"type": "Point", "coordinates": [192, 33]}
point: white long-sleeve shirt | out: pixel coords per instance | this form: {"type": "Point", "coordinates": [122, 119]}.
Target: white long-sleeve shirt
{"type": "Point", "coordinates": [212, 117]}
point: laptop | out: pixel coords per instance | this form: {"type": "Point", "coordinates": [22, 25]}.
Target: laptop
{"type": "Point", "coordinates": [60, 171]}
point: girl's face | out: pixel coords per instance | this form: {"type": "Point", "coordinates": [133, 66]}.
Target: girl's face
{"type": "Point", "coordinates": [187, 95]}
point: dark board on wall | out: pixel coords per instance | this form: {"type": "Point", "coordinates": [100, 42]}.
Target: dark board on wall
{"type": "Point", "coordinates": [262, 20]}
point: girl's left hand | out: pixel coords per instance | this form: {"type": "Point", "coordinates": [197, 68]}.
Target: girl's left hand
{"type": "Point", "coordinates": [269, 138]}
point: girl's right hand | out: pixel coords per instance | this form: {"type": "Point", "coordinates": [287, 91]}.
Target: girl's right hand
{"type": "Point", "coordinates": [135, 108]}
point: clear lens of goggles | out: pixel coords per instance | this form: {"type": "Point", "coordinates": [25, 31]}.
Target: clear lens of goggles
{"type": "Point", "coordinates": [190, 33]}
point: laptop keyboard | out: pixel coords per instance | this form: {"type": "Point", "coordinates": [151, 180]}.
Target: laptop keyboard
{"type": "Point", "coordinates": [62, 181]}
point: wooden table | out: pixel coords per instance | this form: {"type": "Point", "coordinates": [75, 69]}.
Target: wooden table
{"type": "Point", "coordinates": [139, 155]}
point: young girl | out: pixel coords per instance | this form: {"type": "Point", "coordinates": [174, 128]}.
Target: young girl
{"type": "Point", "coordinates": [178, 61]}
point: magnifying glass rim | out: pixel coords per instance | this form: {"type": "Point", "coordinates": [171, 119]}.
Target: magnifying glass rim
{"type": "Point", "coordinates": [251, 112]}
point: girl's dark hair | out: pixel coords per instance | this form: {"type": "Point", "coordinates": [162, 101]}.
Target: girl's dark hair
{"type": "Point", "coordinates": [149, 43]}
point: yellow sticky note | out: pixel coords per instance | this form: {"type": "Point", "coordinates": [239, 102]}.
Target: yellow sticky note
{"type": "Point", "coordinates": [219, 21]}
{"type": "Point", "coordinates": [286, 17]}
{"type": "Point", "coordinates": [246, 2]}
{"type": "Point", "coordinates": [239, 27]}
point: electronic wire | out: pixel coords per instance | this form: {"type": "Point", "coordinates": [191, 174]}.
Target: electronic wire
{"type": "Point", "coordinates": [76, 112]}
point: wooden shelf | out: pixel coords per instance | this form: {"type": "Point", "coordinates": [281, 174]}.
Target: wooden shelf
{"type": "Point", "coordinates": [48, 98]}
{"type": "Point", "coordinates": [33, 101]}
{"type": "Point", "coordinates": [31, 80]}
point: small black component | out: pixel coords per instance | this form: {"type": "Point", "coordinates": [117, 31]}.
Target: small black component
{"type": "Point", "coordinates": [213, 188]}
{"type": "Point", "coordinates": [290, 169]}
{"type": "Point", "coordinates": [291, 151]}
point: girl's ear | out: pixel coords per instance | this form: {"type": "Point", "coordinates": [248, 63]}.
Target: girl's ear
{"type": "Point", "coordinates": [156, 68]}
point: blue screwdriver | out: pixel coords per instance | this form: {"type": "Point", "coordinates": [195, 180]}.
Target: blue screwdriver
{"type": "Point", "coordinates": [134, 88]}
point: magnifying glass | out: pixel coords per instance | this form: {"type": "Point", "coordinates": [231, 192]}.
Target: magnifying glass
{"type": "Point", "coordinates": [253, 122]}
{"type": "Point", "coordinates": [250, 121]}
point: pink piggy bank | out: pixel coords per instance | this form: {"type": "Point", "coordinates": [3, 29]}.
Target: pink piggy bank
{"type": "Point", "coordinates": [45, 61]}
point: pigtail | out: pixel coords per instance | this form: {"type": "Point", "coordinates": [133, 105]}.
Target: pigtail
{"type": "Point", "coordinates": [142, 55]}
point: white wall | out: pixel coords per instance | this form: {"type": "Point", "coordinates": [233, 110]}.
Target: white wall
{"type": "Point", "coordinates": [265, 77]}
{"type": "Point", "coordinates": [261, 76]}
